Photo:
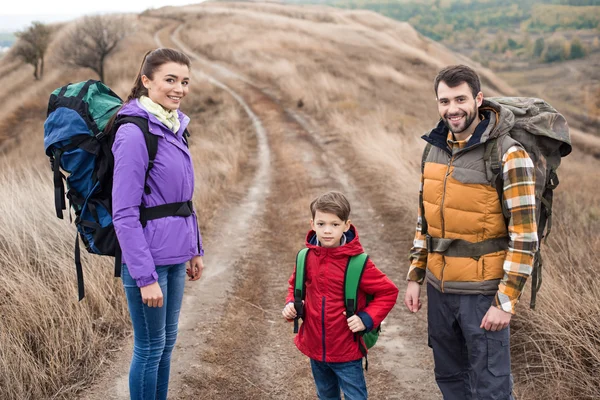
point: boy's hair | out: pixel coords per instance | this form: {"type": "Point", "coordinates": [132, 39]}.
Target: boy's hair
{"type": "Point", "coordinates": [455, 75]}
{"type": "Point", "coordinates": [333, 203]}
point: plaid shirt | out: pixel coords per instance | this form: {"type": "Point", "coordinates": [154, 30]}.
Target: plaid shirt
{"type": "Point", "coordinates": [519, 198]}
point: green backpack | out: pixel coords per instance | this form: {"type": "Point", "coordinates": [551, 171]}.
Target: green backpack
{"type": "Point", "coordinates": [544, 134]}
{"type": "Point", "coordinates": [354, 271]}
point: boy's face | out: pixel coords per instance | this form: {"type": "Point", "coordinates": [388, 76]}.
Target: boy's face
{"type": "Point", "coordinates": [329, 228]}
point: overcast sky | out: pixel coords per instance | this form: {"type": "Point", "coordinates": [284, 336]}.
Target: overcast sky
{"type": "Point", "coordinates": [20, 13]}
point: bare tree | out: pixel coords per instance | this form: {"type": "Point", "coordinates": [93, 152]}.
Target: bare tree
{"type": "Point", "coordinates": [92, 40]}
{"type": "Point", "coordinates": [32, 45]}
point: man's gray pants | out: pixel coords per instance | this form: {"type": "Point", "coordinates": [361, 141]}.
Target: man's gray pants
{"type": "Point", "coordinates": [470, 362]}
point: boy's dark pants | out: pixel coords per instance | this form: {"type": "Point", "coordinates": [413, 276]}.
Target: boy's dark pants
{"type": "Point", "coordinates": [331, 377]}
{"type": "Point", "coordinates": [470, 362]}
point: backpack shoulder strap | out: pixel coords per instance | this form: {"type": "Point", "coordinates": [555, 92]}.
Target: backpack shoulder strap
{"type": "Point", "coordinates": [186, 138]}
{"type": "Point", "coordinates": [300, 286]}
{"type": "Point", "coordinates": [151, 142]}
{"type": "Point", "coordinates": [426, 151]}
{"type": "Point", "coordinates": [493, 169]}
{"type": "Point", "coordinates": [354, 271]}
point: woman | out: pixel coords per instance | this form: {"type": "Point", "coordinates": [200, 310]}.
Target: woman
{"type": "Point", "coordinates": [155, 251]}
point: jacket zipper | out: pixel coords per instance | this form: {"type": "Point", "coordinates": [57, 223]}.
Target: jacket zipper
{"type": "Point", "coordinates": [323, 327]}
{"type": "Point", "coordinates": [442, 217]}
{"type": "Point", "coordinates": [186, 177]}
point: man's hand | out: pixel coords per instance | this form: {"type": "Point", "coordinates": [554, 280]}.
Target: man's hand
{"type": "Point", "coordinates": [195, 268]}
{"type": "Point", "coordinates": [289, 311]}
{"type": "Point", "coordinates": [495, 319]}
{"type": "Point", "coordinates": [411, 297]}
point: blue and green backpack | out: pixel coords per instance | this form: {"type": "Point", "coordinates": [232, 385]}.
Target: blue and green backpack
{"type": "Point", "coordinates": [77, 143]}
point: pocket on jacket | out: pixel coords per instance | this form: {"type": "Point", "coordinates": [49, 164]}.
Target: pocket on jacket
{"type": "Point", "coordinates": [155, 228]}
{"type": "Point", "coordinates": [150, 232]}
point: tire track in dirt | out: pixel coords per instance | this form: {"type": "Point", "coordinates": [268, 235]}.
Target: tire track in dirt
{"type": "Point", "coordinates": [256, 358]}
{"type": "Point", "coordinates": [204, 301]}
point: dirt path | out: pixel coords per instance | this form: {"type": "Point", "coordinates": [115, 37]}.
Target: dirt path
{"type": "Point", "coordinates": [233, 343]}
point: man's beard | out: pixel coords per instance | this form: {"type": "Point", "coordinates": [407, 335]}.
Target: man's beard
{"type": "Point", "coordinates": [468, 121]}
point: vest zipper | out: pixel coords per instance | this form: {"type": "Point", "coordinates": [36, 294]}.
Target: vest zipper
{"type": "Point", "coordinates": [443, 222]}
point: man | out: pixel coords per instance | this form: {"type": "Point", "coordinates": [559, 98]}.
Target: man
{"type": "Point", "coordinates": [474, 260]}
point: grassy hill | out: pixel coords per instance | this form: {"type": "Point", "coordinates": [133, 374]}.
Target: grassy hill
{"type": "Point", "coordinates": [517, 38]}
{"type": "Point", "coordinates": [496, 25]}
{"type": "Point", "coordinates": [364, 81]}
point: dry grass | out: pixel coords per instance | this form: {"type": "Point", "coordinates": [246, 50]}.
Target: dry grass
{"type": "Point", "coordinates": [48, 341]}
{"type": "Point", "coordinates": [51, 345]}
{"type": "Point", "coordinates": [372, 99]}
{"type": "Point", "coordinates": [366, 80]}
{"type": "Point", "coordinates": [556, 348]}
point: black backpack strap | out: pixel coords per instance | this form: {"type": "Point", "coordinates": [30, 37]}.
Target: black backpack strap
{"type": "Point", "coordinates": [85, 88]}
{"type": "Point", "coordinates": [63, 90]}
{"type": "Point", "coordinates": [424, 226]}
{"type": "Point", "coordinates": [152, 145]}
{"type": "Point", "coordinates": [59, 187]}
{"type": "Point", "coordinates": [151, 142]}
{"type": "Point", "coordinates": [79, 268]}
{"type": "Point", "coordinates": [186, 136]}
{"type": "Point", "coordinates": [118, 261]}
{"type": "Point", "coordinates": [182, 209]}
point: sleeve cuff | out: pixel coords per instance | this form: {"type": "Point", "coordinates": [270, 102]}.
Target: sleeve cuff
{"type": "Point", "coordinates": [147, 280]}
{"type": "Point", "coordinates": [504, 303]}
{"type": "Point", "coordinates": [366, 320]}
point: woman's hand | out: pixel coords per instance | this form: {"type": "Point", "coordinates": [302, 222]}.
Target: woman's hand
{"type": "Point", "coordinates": [152, 295]}
{"type": "Point", "coordinates": [195, 268]}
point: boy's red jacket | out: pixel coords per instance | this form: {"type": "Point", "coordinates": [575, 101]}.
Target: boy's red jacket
{"type": "Point", "coordinates": [324, 334]}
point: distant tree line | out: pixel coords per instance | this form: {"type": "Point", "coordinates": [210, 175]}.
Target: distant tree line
{"type": "Point", "coordinates": [556, 48]}
{"type": "Point", "coordinates": [31, 47]}
{"type": "Point", "coordinates": [438, 19]}
{"type": "Point", "coordinates": [86, 45]}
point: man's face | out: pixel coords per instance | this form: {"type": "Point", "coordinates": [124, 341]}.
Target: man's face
{"type": "Point", "coordinates": [329, 228]}
{"type": "Point", "coordinates": [457, 107]}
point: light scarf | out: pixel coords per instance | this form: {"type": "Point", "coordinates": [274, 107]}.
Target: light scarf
{"type": "Point", "coordinates": [169, 118]}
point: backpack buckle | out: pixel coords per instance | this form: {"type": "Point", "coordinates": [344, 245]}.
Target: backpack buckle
{"type": "Point", "coordinates": [299, 308]}
{"type": "Point", "coordinates": [100, 136]}
{"type": "Point", "coordinates": [429, 242]}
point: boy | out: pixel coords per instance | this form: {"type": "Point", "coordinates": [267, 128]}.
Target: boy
{"type": "Point", "coordinates": [331, 341]}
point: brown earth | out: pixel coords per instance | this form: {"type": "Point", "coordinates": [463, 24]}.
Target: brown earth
{"type": "Point", "coordinates": [309, 99]}
{"type": "Point", "coordinates": [233, 342]}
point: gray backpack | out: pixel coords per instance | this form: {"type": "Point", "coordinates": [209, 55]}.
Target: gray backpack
{"type": "Point", "coordinates": [544, 133]}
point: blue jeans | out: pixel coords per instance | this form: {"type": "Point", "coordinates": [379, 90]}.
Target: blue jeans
{"type": "Point", "coordinates": [154, 332]}
{"type": "Point", "coordinates": [331, 377]}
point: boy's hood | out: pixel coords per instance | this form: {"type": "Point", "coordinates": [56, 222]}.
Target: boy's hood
{"type": "Point", "coordinates": [351, 248]}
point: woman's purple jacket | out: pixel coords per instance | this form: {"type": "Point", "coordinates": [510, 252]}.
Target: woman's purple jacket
{"type": "Point", "coordinates": [164, 241]}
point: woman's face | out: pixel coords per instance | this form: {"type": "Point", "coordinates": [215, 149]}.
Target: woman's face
{"type": "Point", "coordinates": [169, 85]}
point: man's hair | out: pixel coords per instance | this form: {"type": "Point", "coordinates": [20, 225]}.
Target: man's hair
{"type": "Point", "coordinates": [455, 75]}
{"type": "Point", "coordinates": [332, 203]}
